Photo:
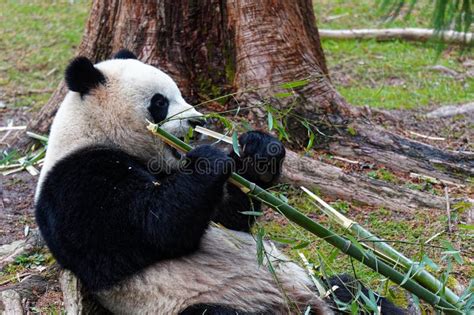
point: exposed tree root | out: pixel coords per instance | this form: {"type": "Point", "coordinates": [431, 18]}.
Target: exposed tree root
{"type": "Point", "coordinates": [410, 34]}
{"type": "Point", "coordinates": [332, 181]}
{"type": "Point", "coordinates": [10, 303]}
{"type": "Point", "coordinates": [76, 300]}
{"type": "Point", "coordinates": [379, 145]}
{"type": "Point", "coordinates": [452, 110]}
{"type": "Point", "coordinates": [12, 297]}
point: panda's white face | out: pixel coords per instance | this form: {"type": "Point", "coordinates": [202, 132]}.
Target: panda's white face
{"type": "Point", "coordinates": [111, 103]}
{"type": "Point", "coordinates": [137, 83]}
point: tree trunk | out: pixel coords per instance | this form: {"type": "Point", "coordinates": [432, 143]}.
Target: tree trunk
{"type": "Point", "coordinates": [217, 47]}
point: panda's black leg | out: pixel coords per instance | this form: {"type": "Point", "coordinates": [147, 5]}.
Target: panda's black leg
{"type": "Point", "coordinates": [260, 161]}
{"type": "Point", "coordinates": [347, 288]}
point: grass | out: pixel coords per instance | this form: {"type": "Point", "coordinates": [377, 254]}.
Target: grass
{"type": "Point", "coordinates": [37, 38]}
{"type": "Point", "coordinates": [395, 74]}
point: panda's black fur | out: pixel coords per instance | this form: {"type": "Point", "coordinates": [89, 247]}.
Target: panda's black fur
{"type": "Point", "coordinates": [81, 76]}
{"type": "Point", "coordinates": [104, 206]}
{"type": "Point", "coordinates": [107, 217]}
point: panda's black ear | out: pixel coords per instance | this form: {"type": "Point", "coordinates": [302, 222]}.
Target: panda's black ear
{"type": "Point", "coordinates": [124, 54]}
{"type": "Point", "coordinates": [82, 76]}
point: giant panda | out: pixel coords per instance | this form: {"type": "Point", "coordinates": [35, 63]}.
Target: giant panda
{"type": "Point", "coordinates": [167, 240]}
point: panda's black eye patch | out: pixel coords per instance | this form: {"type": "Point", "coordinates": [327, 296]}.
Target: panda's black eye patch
{"type": "Point", "coordinates": [158, 107]}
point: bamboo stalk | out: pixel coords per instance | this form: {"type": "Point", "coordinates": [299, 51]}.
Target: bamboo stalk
{"type": "Point", "coordinates": [422, 276]}
{"type": "Point", "coordinates": [346, 246]}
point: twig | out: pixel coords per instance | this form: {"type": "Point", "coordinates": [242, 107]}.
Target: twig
{"type": "Point", "coordinates": [345, 160]}
{"type": "Point", "coordinates": [335, 17]}
{"type": "Point", "coordinates": [10, 128]}
{"type": "Point", "coordinates": [33, 91]}
{"type": "Point", "coordinates": [36, 136]}
{"type": "Point", "coordinates": [426, 137]}
{"type": "Point", "coordinates": [213, 134]}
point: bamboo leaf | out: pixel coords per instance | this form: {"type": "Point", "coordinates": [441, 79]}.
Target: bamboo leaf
{"type": "Point", "coordinates": [235, 143]}
{"type": "Point", "coordinates": [310, 141]}
{"type": "Point", "coordinates": [295, 84]}
{"type": "Point", "coordinates": [301, 245]}
{"type": "Point", "coordinates": [254, 213]}
{"type": "Point", "coordinates": [407, 275]}
{"type": "Point", "coordinates": [466, 226]}
{"type": "Point", "coordinates": [283, 197]}
{"type": "Point", "coordinates": [283, 95]}
{"type": "Point", "coordinates": [430, 263]}
{"type": "Point", "coordinates": [270, 120]}
{"type": "Point", "coordinates": [284, 240]}
{"type": "Point", "coordinates": [354, 308]}
{"type": "Point", "coordinates": [451, 251]}
{"type": "Point", "coordinates": [260, 247]}
{"type": "Point", "coordinates": [189, 134]}
{"type": "Point", "coordinates": [371, 305]}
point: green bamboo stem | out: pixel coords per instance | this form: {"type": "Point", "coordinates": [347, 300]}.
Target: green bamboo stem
{"type": "Point", "coordinates": [346, 246]}
{"type": "Point", "coordinates": [422, 276]}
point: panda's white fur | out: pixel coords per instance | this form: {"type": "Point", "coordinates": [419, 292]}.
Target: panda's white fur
{"type": "Point", "coordinates": [224, 270]}
{"type": "Point", "coordinates": [116, 114]}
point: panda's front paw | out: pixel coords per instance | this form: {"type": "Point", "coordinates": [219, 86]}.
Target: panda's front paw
{"type": "Point", "coordinates": [261, 157]}
{"type": "Point", "coordinates": [210, 161]}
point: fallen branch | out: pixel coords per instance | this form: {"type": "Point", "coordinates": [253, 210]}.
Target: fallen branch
{"type": "Point", "coordinates": [76, 300]}
{"type": "Point", "coordinates": [452, 110]}
{"type": "Point", "coordinates": [12, 297]}
{"type": "Point", "coordinates": [345, 245]}
{"type": "Point", "coordinates": [410, 34]}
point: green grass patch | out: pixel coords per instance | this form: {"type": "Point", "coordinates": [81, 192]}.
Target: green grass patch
{"type": "Point", "coordinates": [37, 39]}
{"type": "Point", "coordinates": [394, 74]}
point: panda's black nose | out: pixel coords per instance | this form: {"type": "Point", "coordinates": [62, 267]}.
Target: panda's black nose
{"type": "Point", "coordinates": [197, 121]}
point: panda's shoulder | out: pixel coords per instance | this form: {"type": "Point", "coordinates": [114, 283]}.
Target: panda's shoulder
{"type": "Point", "coordinates": [92, 168]}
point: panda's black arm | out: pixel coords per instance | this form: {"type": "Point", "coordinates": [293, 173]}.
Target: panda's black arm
{"type": "Point", "coordinates": [174, 215]}
{"type": "Point", "coordinates": [229, 210]}
{"type": "Point", "coordinates": [260, 162]}
{"type": "Point", "coordinates": [106, 200]}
